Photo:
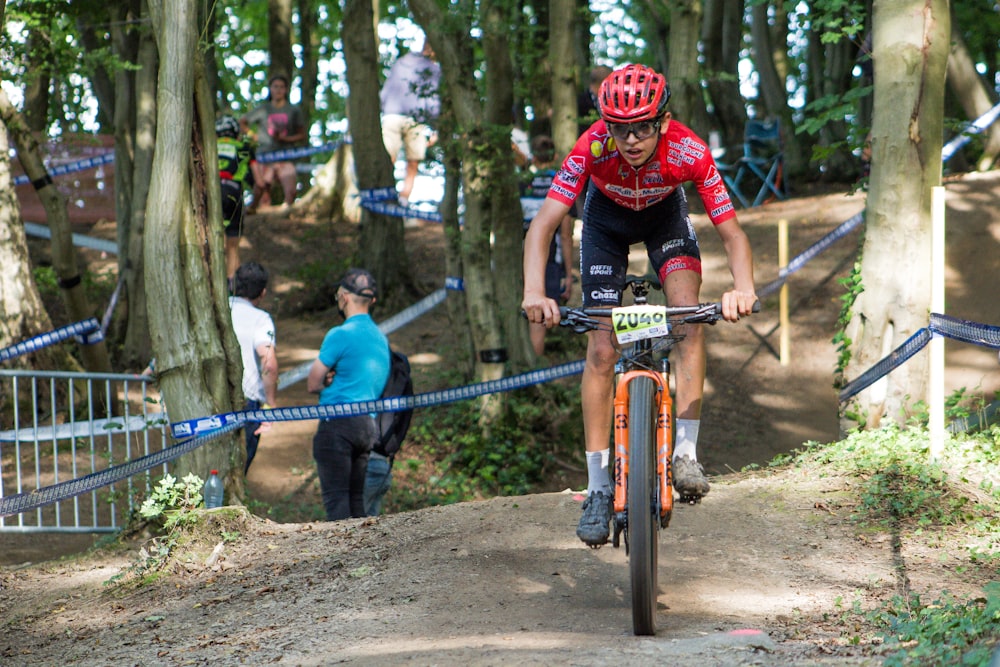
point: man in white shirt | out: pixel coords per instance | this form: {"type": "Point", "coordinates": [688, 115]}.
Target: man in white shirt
{"type": "Point", "coordinates": [255, 332]}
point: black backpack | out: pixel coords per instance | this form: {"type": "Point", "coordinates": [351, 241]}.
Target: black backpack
{"type": "Point", "coordinates": [392, 426]}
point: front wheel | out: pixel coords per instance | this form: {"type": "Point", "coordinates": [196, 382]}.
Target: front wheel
{"type": "Point", "coordinates": [643, 504]}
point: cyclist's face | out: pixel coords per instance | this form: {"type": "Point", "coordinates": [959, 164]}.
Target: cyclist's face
{"type": "Point", "coordinates": [637, 141]}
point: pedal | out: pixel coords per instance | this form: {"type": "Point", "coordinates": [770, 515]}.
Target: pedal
{"type": "Point", "coordinates": [691, 500]}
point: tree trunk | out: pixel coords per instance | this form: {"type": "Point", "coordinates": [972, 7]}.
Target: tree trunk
{"type": "Point", "coordinates": [94, 355]}
{"type": "Point", "coordinates": [279, 38]}
{"type": "Point", "coordinates": [465, 101]}
{"type": "Point", "coordinates": [334, 193]}
{"type": "Point", "coordinates": [968, 87]}
{"type": "Point", "coordinates": [22, 313]}
{"type": "Point", "coordinates": [382, 243]}
{"type": "Point", "coordinates": [507, 219]}
{"type": "Point", "coordinates": [911, 42]}
{"type": "Point", "coordinates": [36, 88]}
{"type": "Point", "coordinates": [687, 100]}
{"type": "Point", "coordinates": [458, 312]}
{"type": "Point", "coordinates": [191, 326]}
{"type": "Point", "coordinates": [564, 75]}
{"type": "Point", "coordinates": [310, 42]}
{"type": "Point", "coordinates": [722, 30]}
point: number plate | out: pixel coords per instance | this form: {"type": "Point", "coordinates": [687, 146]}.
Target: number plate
{"type": "Point", "coordinates": [633, 323]}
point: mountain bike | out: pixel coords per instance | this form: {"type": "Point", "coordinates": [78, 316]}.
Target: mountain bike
{"type": "Point", "coordinates": [643, 428]}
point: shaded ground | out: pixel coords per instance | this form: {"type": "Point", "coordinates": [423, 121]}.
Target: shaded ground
{"type": "Point", "coordinates": [758, 574]}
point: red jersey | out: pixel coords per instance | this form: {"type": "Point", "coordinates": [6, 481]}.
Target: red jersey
{"type": "Point", "coordinates": [680, 156]}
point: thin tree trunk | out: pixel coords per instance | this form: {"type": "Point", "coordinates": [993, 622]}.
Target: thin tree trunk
{"type": "Point", "coordinates": [382, 244]}
{"type": "Point", "coordinates": [564, 74]}
{"type": "Point", "coordinates": [687, 98]}
{"type": "Point", "coordinates": [94, 355]}
{"type": "Point", "coordinates": [507, 220]}
{"type": "Point", "coordinates": [22, 313]}
{"type": "Point", "coordinates": [968, 87]}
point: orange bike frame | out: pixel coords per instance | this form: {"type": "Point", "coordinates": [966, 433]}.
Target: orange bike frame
{"type": "Point", "coordinates": [664, 441]}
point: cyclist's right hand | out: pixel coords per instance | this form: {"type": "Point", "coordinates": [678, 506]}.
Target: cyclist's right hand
{"type": "Point", "coordinates": [540, 309]}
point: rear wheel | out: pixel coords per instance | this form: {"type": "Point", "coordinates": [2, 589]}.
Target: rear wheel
{"type": "Point", "coordinates": [643, 505]}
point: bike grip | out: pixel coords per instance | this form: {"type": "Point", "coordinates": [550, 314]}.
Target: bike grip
{"type": "Point", "coordinates": [756, 306]}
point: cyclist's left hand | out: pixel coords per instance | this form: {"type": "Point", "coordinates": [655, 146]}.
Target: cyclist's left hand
{"type": "Point", "coordinates": [736, 303]}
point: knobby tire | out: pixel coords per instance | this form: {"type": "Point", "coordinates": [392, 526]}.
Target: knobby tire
{"type": "Point", "coordinates": [643, 505]}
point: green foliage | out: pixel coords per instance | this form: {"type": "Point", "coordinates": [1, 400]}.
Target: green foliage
{"type": "Point", "coordinates": [173, 502]}
{"type": "Point", "coordinates": [900, 485]}
{"type": "Point", "coordinates": [852, 283]}
{"type": "Point", "coordinates": [458, 461]}
{"type": "Point", "coordinates": [902, 491]}
{"type": "Point", "coordinates": [172, 505]}
{"type": "Point", "coordinates": [947, 631]}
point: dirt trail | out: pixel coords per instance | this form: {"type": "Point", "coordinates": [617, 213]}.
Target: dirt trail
{"type": "Point", "coordinates": [758, 574]}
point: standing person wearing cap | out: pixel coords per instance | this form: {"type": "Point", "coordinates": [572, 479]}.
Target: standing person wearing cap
{"type": "Point", "coordinates": [635, 160]}
{"type": "Point", "coordinates": [352, 366]}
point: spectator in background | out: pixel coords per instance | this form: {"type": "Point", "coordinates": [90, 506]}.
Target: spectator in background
{"type": "Point", "coordinates": [410, 105]}
{"type": "Point", "coordinates": [558, 272]}
{"type": "Point", "coordinates": [274, 125]}
{"type": "Point", "coordinates": [235, 156]}
{"type": "Point", "coordinates": [352, 366]}
{"type": "Point", "coordinates": [255, 332]}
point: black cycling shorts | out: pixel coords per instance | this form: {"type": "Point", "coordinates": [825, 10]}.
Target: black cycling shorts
{"type": "Point", "coordinates": [608, 231]}
{"type": "Point", "coordinates": [232, 207]}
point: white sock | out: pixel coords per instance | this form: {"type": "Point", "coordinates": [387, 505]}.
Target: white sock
{"type": "Point", "coordinates": [597, 471]}
{"type": "Point", "coordinates": [686, 438]}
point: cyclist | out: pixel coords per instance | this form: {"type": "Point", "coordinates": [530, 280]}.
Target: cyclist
{"type": "Point", "coordinates": [635, 159]}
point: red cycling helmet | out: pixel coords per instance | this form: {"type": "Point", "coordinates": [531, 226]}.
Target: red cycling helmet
{"type": "Point", "coordinates": [633, 93]}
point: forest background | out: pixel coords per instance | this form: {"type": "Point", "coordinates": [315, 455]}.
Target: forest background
{"type": "Point", "coordinates": [155, 75]}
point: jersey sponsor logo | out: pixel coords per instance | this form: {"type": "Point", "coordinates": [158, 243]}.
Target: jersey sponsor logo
{"type": "Point", "coordinates": [574, 164]}
{"type": "Point", "coordinates": [605, 295]}
{"type": "Point", "coordinates": [716, 212]}
{"type": "Point", "coordinates": [672, 244]}
{"type": "Point", "coordinates": [720, 196]}
{"type": "Point", "coordinates": [714, 177]}
{"type": "Point", "coordinates": [681, 264]}
{"type": "Point", "coordinates": [569, 179]}
{"type": "Point", "coordinates": [597, 148]}
{"type": "Point", "coordinates": [563, 192]}
{"type": "Point", "coordinates": [652, 178]}
{"type": "Point", "coordinates": [601, 270]}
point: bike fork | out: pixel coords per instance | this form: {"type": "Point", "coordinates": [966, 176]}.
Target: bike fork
{"type": "Point", "coordinates": [665, 445]}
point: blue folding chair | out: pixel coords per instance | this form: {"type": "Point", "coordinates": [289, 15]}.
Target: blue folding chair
{"type": "Point", "coordinates": [760, 167]}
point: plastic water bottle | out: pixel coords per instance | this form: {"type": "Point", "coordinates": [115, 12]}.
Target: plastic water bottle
{"type": "Point", "coordinates": [213, 491]}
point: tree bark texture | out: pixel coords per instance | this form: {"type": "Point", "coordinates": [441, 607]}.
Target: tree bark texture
{"type": "Point", "coordinates": [911, 43]}
{"type": "Point", "coordinates": [473, 136]}
{"type": "Point", "coordinates": [95, 355]}
{"type": "Point", "coordinates": [279, 38]}
{"type": "Point", "coordinates": [565, 75]}
{"type": "Point", "coordinates": [382, 247]}
{"type": "Point", "coordinates": [185, 273]}
{"type": "Point", "coordinates": [687, 100]}
{"type": "Point", "coordinates": [507, 219]}
{"type": "Point", "coordinates": [722, 26]}
{"type": "Point", "coordinates": [22, 313]}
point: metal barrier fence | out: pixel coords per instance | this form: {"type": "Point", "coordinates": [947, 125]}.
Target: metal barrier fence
{"type": "Point", "coordinates": [57, 426]}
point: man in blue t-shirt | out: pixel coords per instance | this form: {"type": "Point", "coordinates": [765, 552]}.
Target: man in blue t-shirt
{"type": "Point", "coordinates": [352, 366]}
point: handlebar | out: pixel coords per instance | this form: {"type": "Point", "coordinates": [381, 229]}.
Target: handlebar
{"type": "Point", "coordinates": [582, 320]}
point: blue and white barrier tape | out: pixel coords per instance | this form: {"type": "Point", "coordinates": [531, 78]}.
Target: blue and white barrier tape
{"type": "Point", "coordinates": [974, 128]}
{"type": "Point", "coordinates": [205, 425]}
{"type": "Point", "coordinates": [81, 165]}
{"type": "Point", "coordinates": [951, 327]}
{"type": "Point", "coordinates": [25, 502]}
{"type": "Point", "coordinates": [288, 154]}
{"type": "Point", "coordinates": [87, 332]}
{"type": "Point", "coordinates": [384, 202]}
{"type": "Point", "coordinates": [809, 253]}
